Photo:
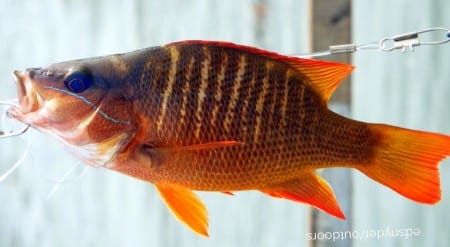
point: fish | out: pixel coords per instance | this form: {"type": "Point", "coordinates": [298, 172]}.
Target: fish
{"type": "Point", "coordinates": [222, 117]}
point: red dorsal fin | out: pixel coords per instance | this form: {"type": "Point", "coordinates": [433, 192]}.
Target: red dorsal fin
{"type": "Point", "coordinates": [323, 76]}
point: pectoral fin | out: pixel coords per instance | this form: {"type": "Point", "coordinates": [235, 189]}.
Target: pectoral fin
{"type": "Point", "coordinates": [186, 206]}
{"type": "Point", "coordinates": [201, 146]}
{"type": "Point", "coordinates": [228, 193]}
{"type": "Point", "coordinates": [310, 189]}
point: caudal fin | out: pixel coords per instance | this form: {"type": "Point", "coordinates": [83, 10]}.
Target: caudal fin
{"type": "Point", "coordinates": [407, 161]}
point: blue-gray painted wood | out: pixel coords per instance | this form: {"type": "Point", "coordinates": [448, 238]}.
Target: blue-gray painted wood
{"type": "Point", "coordinates": [103, 208]}
{"type": "Point", "coordinates": [410, 90]}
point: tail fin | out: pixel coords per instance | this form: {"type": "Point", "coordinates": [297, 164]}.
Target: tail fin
{"type": "Point", "coordinates": [407, 162]}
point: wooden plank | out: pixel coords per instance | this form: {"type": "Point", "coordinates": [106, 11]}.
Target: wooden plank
{"type": "Point", "coordinates": [331, 24]}
{"type": "Point", "coordinates": [410, 90]}
{"type": "Point", "coordinates": [104, 208]}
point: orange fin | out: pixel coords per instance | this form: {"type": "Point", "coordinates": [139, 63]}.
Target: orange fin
{"type": "Point", "coordinates": [187, 207]}
{"type": "Point", "coordinates": [202, 146]}
{"type": "Point", "coordinates": [407, 162]}
{"type": "Point", "coordinates": [323, 76]}
{"type": "Point", "coordinates": [228, 193]}
{"type": "Point", "coordinates": [310, 189]}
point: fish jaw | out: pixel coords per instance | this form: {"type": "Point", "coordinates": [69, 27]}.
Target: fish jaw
{"type": "Point", "coordinates": [29, 100]}
{"type": "Point", "coordinates": [34, 109]}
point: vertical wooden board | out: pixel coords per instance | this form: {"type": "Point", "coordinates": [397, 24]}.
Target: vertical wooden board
{"type": "Point", "coordinates": [409, 90]}
{"type": "Point", "coordinates": [331, 25]}
{"type": "Point", "coordinates": [103, 208]}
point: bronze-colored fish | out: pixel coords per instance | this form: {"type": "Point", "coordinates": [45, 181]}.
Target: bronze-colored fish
{"type": "Point", "coordinates": [217, 116]}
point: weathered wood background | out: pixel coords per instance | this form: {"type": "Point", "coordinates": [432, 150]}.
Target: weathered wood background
{"type": "Point", "coordinates": [103, 208]}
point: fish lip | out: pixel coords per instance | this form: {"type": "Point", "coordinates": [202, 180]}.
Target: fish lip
{"type": "Point", "coordinates": [28, 98]}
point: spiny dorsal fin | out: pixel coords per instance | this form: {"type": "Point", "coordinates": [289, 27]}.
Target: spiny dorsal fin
{"type": "Point", "coordinates": [323, 76]}
{"type": "Point", "coordinates": [186, 206]}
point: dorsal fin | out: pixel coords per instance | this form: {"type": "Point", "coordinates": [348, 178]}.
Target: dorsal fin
{"type": "Point", "coordinates": [324, 76]}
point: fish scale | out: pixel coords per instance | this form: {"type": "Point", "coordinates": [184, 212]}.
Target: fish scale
{"type": "Point", "coordinates": [263, 80]}
{"type": "Point", "coordinates": [216, 116]}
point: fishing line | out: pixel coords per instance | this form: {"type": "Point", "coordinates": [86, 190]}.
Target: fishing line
{"type": "Point", "coordinates": [22, 157]}
{"type": "Point", "coordinates": [429, 36]}
{"type": "Point", "coordinates": [62, 180]}
{"type": "Point", "coordinates": [17, 163]}
{"type": "Point", "coordinates": [11, 133]}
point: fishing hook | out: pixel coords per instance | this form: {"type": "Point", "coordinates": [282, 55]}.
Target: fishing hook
{"type": "Point", "coordinates": [6, 134]}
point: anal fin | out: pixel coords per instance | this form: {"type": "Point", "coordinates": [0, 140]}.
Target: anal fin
{"type": "Point", "coordinates": [186, 206]}
{"type": "Point", "coordinates": [310, 189]}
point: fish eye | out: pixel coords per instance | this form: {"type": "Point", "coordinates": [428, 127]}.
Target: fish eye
{"type": "Point", "coordinates": [78, 81]}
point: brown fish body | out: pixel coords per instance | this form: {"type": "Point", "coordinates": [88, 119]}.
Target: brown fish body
{"type": "Point", "coordinates": [217, 116]}
{"type": "Point", "coordinates": [196, 94]}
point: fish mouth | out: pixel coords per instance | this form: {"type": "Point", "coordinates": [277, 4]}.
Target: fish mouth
{"type": "Point", "coordinates": [28, 98]}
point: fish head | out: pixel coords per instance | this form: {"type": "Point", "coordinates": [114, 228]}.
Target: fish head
{"type": "Point", "coordinates": [83, 103]}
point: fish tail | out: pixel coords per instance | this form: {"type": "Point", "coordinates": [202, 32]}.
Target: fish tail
{"type": "Point", "coordinates": [407, 161]}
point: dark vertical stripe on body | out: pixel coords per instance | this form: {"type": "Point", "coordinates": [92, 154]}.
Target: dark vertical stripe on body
{"type": "Point", "coordinates": [184, 117]}
{"type": "Point", "coordinates": [297, 106]}
{"type": "Point", "coordinates": [234, 112]}
{"type": "Point", "coordinates": [140, 74]}
{"type": "Point", "coordinates": [260, 102]}
{"type": "Point", "coordinates": [157, 65]}
{"type": "Point", "coordinates": [218, 92]}
{"type": "Point", "coordinates": [205, 70]}
{"type": "Point", "coordinates": [240, 120]}
{"type": "Point", "coordinates": [168, 87]}
{"type": "Point", "coordinates": [271, 115]}
{"type": "Point", "coordinates": [209, 102]}
{"type": "Point", "coordinates": [175, 102]}
{"type": "Point", "coordinates": [285, 99]}
{"type": "Point", "coordinates": [279, 103]}
{"type": "Point", "coordinates": [255, 91]}
{"type": "Point", "coordinates": [197, 53]}
{"type": "Point", "coordinates": [227, 87]}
